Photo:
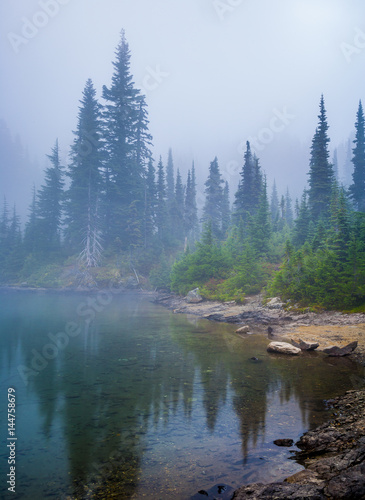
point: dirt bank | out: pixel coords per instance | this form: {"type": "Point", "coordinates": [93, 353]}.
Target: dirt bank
{"type": "Point", "coordinates": [327, 327]}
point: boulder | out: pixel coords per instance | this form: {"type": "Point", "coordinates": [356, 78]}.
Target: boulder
{"type": "Point", "coordinates": [305, 346]}
{"type": "Point", "coordinates": [284, 442]}
{"type": "Point", "coordinates": [283, 348]}
{"type": "Point", "coordinates": [275, 303]}
{"type": "Point", "coordinates": [243, 329]}
{"type": "Point", "coordinates": [334, 350]}
{"type": "Point", "coordinates": [194, 296]}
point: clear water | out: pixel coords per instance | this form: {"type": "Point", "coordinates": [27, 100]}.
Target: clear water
{"type": "Point", "coordinates": [144, 403]}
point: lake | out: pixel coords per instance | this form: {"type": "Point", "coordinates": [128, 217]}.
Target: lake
{"type": "Point", "coordinates": [117, 397]}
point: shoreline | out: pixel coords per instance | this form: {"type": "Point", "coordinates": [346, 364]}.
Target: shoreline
{"type": "Point", "coordinates": [328, 328]}
{"type": "Point", "coordinates": [333, 455]}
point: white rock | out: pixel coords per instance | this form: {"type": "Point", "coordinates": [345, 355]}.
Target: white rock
{"type": "Point", "coordinates": [275, 303]}
{"type": "Point", "coordinates": [243, 329]}
{"type": "Point", "coordinates": [283, 348]}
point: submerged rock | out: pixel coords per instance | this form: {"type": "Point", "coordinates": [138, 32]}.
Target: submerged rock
{"type": "Point", "coordinates": [243, 329]}
{"type": "Point", "coordinates": [283, 442]}
{"type": "Point", "coordinates": [193, 297]}
{"type": "Point", "coordinates": [283, 348]}
{"type": "Point", "coordinates": [340, 351]}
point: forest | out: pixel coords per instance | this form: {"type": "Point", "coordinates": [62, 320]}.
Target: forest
{"type": "Point", "coordinates": [113, 212]}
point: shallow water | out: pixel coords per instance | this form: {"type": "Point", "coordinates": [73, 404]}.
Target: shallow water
{"type": "Point", "coordinates": [113, 389]}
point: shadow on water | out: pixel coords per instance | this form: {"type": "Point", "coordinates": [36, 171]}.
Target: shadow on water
{"type": "Point", "coordinates": [145, 403]}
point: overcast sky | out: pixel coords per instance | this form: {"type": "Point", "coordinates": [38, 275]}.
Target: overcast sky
{"type": "Point", "coordinates": [215, 73]}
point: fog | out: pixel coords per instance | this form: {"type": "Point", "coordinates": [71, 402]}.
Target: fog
{"type": "Point", "coordinates": [215, 73]}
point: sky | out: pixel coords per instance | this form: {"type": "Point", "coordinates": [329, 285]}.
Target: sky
{"type": "Point", "coordinates": [215, 73]}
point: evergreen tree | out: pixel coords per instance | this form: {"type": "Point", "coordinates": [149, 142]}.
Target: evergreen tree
{"type": "Point", "coordinates": [83, 217]}
{"type": "Point", "coordinates": [260, 227]}
{"type": "Point", "coordinates": [340, 224]}
{"type": "Point", "coordinates": [161, 208]}
{"type": "Point", "coordinates": [170, 182]}
{"type": "Point", "coordinates": [191, 211]}
{"type": "Point", "coordinates": [11, 248]}
{"type": "Point", "coordinates": [335, 166]}
{"type": "Point", "coordinates": [248, 195]}
{"type": "Point", "coordinates": [127, 145]}
{"type": "Point", "coordinates": [49, 203]}
{"type": "Point", "coordinates": [226, 210]}
{"type": "Point", "coordinates": [288, 209]}
{"type": "Point", "coordinates": [4, 222]}
{"type": "Point", "coordinates": [302, 222]}
{"type": "Point", "coordinates": [177, 211]}
{"type": "Point", "coordinates": [274, 206]}
{"type": "Point", "coordinates": [212, 211]}
{"type": "Point", "coordinates": [348, 166]}
{"type": "Point", "coordinates": [150, 204]}
{"type": "Point", "coordinates": [31, 227]}
{"type": "Point", "coordinates": [321, 172]}
{"type": "Point", "coordinates": [357, 188]}
{"type": "Point", "coordinates": [143, 139]}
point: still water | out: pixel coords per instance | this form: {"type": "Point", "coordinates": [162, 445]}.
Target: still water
{"type": "Point", "coordinates": [119, 398]}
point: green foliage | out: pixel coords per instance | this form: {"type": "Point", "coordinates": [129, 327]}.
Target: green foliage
{"type": "Point", "coordinates": [160, 274]}
{"type": "Point", "coordinates": [195, 269]}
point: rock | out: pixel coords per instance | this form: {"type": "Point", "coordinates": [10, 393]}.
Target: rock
{"type": "Point", "coordinates": [193, 297]}
{"type": "Point", "coordinates": [305, 346]}
{"type": "Point", "coordinates": [283, 348]}
{"type": "Point", "coordinates": [243, 329]}
{"type": "Point", "coordinates": [340, 351]}
{"type": "Point", "coordinates": [275, 303]}
{"type": "Point", "coordinates": [279, 491]}
{"type": "Point", "coordinates": [283, 442]}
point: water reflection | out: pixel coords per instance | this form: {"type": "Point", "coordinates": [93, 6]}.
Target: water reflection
{"type": "Point", "coordinates": [143, 402]}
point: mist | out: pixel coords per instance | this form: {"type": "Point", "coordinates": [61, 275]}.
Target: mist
{"type": "Point", "coordinates": [215, 73]}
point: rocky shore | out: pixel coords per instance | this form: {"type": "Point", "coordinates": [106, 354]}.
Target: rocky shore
{"type": "Point", "coordinates": [327, 328]}
{"type": "Point", "coordinates": [333, 455]}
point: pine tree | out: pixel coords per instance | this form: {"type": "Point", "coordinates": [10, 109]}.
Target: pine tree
{"type": "Point", "coordinates": [177, 211]}
{"type": "Point", "coordinates": [226, 210]}
{"type": "Point", "coordinates": [83, 210]}
{"type": "Point", "coordinates": [161, 208]}
{"type": "Point", "coordinates": [288, 209]}
{"type": "Point", "coordinates": [357, 188]}
{"type": "Point", "coordinates": [348, 166]}
{"type": "Point", "coordinates": [127, 141]}
{"type": "Point", "coordinates": [31, 227]}
{"type": "Point", "coordinates": [274, 206]}
{"type": "Point", "coordinates": [150, 204]}
{"type": "Point", "coordinates": [302, 221]}
{"type": "Point", "coordinates": [191, 211]}
{"type": "Point", "coordinates": [248, 195]}
{"type": "Point", "coordinates": [321, 172]}
{"type": "Point", "coordinates": [261, 228]}
{"type": "Point", "coordinates": [170, 182]}
{"type": "Point", "coordinates": [14, 255]}
{"type": "Point", "coordinates": [335, 165]}
{"type": "Point", "coordinates": [212, 211]}
{"type": "Point", "coordinates": [340, 224]}
{"type": "Point", "coordinates": [49, 203]}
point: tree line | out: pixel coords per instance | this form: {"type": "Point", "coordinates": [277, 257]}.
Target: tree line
{"type": "Point", "coordinates": [111, 203]}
